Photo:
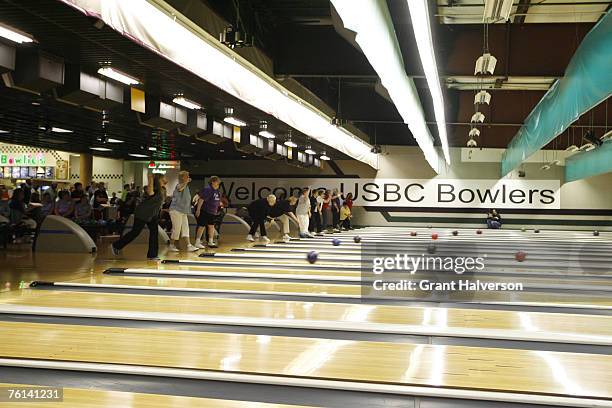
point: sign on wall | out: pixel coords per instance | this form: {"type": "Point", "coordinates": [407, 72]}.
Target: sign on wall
{"type": "Point", "coordinates": [449, 193]}
{"type": "Point", "coordinates": [23, 159]}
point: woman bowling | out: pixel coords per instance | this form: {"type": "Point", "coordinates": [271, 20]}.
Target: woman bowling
{"type": "Point", "coordinates": [146, 213]}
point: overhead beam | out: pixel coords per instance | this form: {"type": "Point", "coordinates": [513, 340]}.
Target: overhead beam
{"type": "Point", "coordinates": [521, 11]}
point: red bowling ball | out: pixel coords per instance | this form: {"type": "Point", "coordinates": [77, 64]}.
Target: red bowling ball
{"type": "Point", "coordinates": [520, 256]}
{"type": "Point", "coordinates": [413, 234]}
{"type": "Point", "coordinates": [479, 232]}
{"type": "Point", "coordinates": [434, 236]}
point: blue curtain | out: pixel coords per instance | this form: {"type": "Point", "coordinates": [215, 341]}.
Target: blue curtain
{"type": "Point", "coordinates": [586, 83]}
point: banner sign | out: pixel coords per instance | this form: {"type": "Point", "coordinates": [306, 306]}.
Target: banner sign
{"type": "Point", "coordinates": [450, 193]}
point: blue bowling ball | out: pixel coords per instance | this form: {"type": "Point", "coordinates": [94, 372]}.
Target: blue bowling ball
{"type": "Point", "coordinates": [336, 241]}
{"type": "Point", "coordinates": [357, 239]}
{"type": "Point", "coordinates": [312, 256]}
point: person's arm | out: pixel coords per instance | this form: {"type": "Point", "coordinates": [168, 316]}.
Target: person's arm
{"type": "Point", "coordinates": [199, 207]}
{"type": "Point", "coordinates": [293, 216]}
{"type": "Point", "coordinates": [150, 185]}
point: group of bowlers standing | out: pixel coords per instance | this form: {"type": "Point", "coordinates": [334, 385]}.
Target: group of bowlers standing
{"type": "Point", "coordinates": [312, 210]}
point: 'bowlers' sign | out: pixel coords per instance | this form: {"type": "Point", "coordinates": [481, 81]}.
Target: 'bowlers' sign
{"type": "Point", "coordinates": [450, 193]}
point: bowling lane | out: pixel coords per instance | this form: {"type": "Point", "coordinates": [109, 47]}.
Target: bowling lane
{"type": "Point", "coordinates": [276, 285]}
{"type": "Point", "coordinates": [91, 398]}
{"type": "Point", "coordinates": [295, 361]}
{"type": "Point", "coordinates": [453, 322]}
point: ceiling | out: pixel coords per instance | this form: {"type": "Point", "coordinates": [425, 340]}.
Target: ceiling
{"type": "Point", "coordinates": [66, 33]}
{"type": "Point", "coordinates": [300, 38]}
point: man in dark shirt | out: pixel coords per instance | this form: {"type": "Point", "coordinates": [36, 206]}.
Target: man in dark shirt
{"type": "Point", "coordinates": [78, 192]}
{"type": "Point", "coordinates": [146, 213]}
{"type": "Point", "coordinates": [282, 211]}
{"type": "Point", "coordinates": [100, 196]}
{"type": "Point", "coordinates": [258, 212]}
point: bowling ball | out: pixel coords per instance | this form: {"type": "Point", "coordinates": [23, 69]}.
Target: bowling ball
{"type": "Point", "coordinates": [455, 233]}
{"type": "Point", "coordinates": [520, 256]}
{"type": "Point", "coordinates": [537, 231]}
{"type": "Point", "coordinates": [312, 256]}
{"type": "Point", "coordinates": [431, 249]}
{"type": "Point", "coordinates": [523, 229]}
{"type": "Point", "coordinates": [479, 232]}
{"type": "Point", "coordinates": [434, 236]}
{"type": "Point", "coordinates": [413, 233]}
{"type": "Point", "coordinates": [335, 241]}
{"type": "Point", "coordinates": [596, 233]}
{"type": "Point", "coordinates": [429, 226]}
{"type": "Point", "coordinates": [357, 239]}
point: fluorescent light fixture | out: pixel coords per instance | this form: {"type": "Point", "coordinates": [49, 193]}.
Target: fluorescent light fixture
{"type": "Point", "coordinates": [137, 155]}
{"type": "Point", "coordinates": [234, 121]}
{"type": "Point", "coordinates": [545, 167]}
{"type": "Point", "coordinates": [606, 136]}
{"type": "Point", "coordinates": [572, 148]}
{"type": "Point", "coordinates": [419, 15]}
{"type": "Point", "coordinates": [485, 64]}
{"type": "Point", "coordinates": [14, 35]}
{"type": "Point", "coordinates": [267, 134]}
{"type": "Point", "coordinates": [101, 149]}
{"type": "Point", "coordinates": [111, 140]}
{"type": "Point", "coordinates": [324, 156]}
{"type": "Point", "coordinates": [310, 151]}
{"type": "Point", "coordinates": [587, 147]}
{"type": "Point", "coordinates": [189, 104]}
{"type": "Point", "coordinates": [117, 75]}
{"type": "Point", "coordinates": [4, 131]}
{"type": "Point", "coordinates": [56, 129]}
{"type": "Point", "coordinates": [497, 10]}
{"type": "Point", "coordinates": [152, 148]}
{"type": "Point", "coordinates": [482, 97]}
{"type": "Point", "coordinates": [175, 38]}
{"type": "Point", "coordinates": [290, 143]}
{"type": "Point", "coordinates": [478, 117]}
{"type": "Point", "coordinates": [474, 132]}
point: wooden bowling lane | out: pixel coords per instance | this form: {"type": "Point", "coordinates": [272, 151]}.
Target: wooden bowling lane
{"type": "Point", "coordinates": [92, 398]}
{"type": "Point", "coordinates": [453, 322]}
{"type": "Point", "coordinates": [244, 272]}
{"type": "Point", "coordinates": [273, 285]}
{"type": "Point", "coordinates": [369, 366]}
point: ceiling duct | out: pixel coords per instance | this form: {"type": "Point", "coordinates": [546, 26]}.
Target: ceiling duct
{"type": "Point", "coordinates": [163, 115]}
{"type": "Point", "coordinates": [217, 133]}
{"type": "Point", "coordinates": [7, 58]}
{"type": "Point", "coordinates": [269, 150]}
{"type": "Point", "coordinates": [249, 143]}
{"type": "Point", "coordinates": [196, 123]}
{"type": "Point", "coordinates": [37, 71]}
{"type": "Point", "coordinates": [88, 90]}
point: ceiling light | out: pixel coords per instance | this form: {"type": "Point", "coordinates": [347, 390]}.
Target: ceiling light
{"type": "Point", "coordinates": [56, 129]}
{"type": "Point", "coordinates": [290, 143]}
{"type": "Point", "coordinates": [181, 100]}
{"type": "Point", "coordinates": [472, 143]}
{"type": "Point", "coordinates": [152, 148]}
{"type": "Point", "coordinates": [324, 156]}
{"type": "Point", "coordinates": [371, 21]}
{"type": "Point", "coordinates": [101, 149]}
{"type": "Point", "coordinates": [419, 15]}
{"type": "Point", "coordinates": [267, 134]}
{"type": "Point", "coordinates": [545, 167]}
{"type": "Point", "coordinates": [587, 147]}
{"type": "Point", "coordinates": [4, 131]}
{"type": "Point", "coordinates": [137, 155]}
{"type": "Point", "coordinates": [606, 136]}
{"type": "Point", "coordinates": [14, 35]}
{"type": "Point", "coordinates": [482, 97]}
{"type": "Point", "coordinates": [554, 163]}
{"type": "Point", "coordinates": [231, 119]}
{"type": "Point", "coordinates": [485, 64]}
{"type": "Point", "coordinates": [497, 10]}
{"type": "Point", "coordinates": [310, 151]}
{"type": "Point", "coordinates": [111, 140]}
{"type": "Point", "coordinates": [572, 148]}
{"type": "Point", "coordinates": [474, 132]}
{"type": "Point", "coordinates": [478, 117]}
{"type": "Point", "coordinates": [117, 75]}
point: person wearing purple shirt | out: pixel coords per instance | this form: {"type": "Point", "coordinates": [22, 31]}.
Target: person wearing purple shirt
{"type": "Point", "coordinates": [206, 210]}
